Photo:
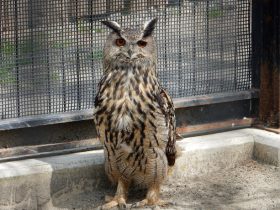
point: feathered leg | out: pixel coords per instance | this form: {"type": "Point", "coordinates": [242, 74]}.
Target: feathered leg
{"type": "Point", "coordinates": [120, 197]}
{"type": "Point", "coordinates": [152, 198]}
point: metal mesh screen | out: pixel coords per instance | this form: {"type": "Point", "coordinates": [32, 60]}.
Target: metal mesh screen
{"type": "Point", "coordinates": [51, 51]}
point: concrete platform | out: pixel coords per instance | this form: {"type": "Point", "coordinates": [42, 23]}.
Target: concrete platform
{"type": "Point", "coordinates": [39, 184]}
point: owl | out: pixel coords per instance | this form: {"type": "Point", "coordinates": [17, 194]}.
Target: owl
{"type": "Point", "coordinates": [134, 115]}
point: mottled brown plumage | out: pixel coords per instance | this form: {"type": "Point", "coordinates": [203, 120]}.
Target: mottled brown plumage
{"type": "Point", "coordinates": [134, 115]}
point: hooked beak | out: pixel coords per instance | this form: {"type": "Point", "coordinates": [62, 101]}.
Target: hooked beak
{"type": "Point", "coordinates": [129, 52]}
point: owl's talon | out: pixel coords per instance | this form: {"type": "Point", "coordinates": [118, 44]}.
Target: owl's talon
{"type": "Point", "coordinates": [156, 205]}
{"type": "Point", "coordinates": [140, 204]}
{"type": "Point", "coordinates": [115, 201]}
{"type": "Point", "coordinates": [123, 206]}
{"type": "Point", "coordinates": [108, 198]}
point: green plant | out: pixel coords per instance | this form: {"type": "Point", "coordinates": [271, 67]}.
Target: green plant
{"type": "Point", "coordinates": [98, 30]}
{"type": "Point", "coordinates": [61, 44]}
{"type": "Point", "coordinates": [54, 76]}
{"type": "Point", "coordinates": [215, 13]}
{"type": "Point", "coordinates": [25, 60]}
{"type": "Point", "coordinates": [97, 54]}
{"type": "Point", "coordinates": [8, 48]}
{"type": "Point", "coordinates": [83, 27]}
{"type": "Point", "coordinates": [28, 46]}
{"type": "Point", "coordinates": [6, 75]}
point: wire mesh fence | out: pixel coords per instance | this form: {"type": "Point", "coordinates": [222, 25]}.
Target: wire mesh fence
{"type": "Point", "coordinates": [51, 51]}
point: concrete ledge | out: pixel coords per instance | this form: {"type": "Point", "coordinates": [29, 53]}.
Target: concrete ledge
{"type": "Point", "coordinates": [207, 154]}
{"type": "Point", "coordinates": [36, 184]}
{"type": "Point", "coordinates": [267, 147]}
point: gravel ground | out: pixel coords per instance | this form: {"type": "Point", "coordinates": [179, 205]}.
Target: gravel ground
{"type": "Point", "coordinates": [250, 186]}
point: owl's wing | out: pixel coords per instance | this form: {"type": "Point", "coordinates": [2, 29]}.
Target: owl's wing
{"type": "Point", "coordinates": [167, 108]}
{"type": "Point", "coordinates": [97, 114]}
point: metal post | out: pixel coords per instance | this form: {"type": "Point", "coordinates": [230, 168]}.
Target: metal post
{"type": "Point", "coordinates": [269, 63]}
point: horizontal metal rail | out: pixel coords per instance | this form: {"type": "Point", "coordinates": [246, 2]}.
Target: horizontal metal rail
{"type": "Point", "coordinates": [46, 150]}
{"type": "Point", "coordinates": [39, 120]}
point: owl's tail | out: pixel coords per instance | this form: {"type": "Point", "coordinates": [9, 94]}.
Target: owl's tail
{"type": "Point", "coordinates": [171, 166]}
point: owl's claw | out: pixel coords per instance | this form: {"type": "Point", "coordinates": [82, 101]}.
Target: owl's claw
{"type": "Point", "coordinates": [146, 202]}
{"type": "Point", "coordinates": [113, 202]}
{"type": "Point", "coordinates": [108, 198]}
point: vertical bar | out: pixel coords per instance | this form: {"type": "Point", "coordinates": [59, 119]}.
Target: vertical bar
{"type": "Point", "coordinates": [180, 60]}
{"type": "Point", "coordinates": [108, 7]}
{"type": "Point", "coordinates": [78, 64]}
{"type": "Point", "coordinates": [269, 71]}
{"type": "Point", "coordinates": [222, 48]}
{"type": "Point", "coordinates": [165, 39]}
{"type": "Point", "coordinates": [32, 48]}
{"type": "Point", "coordinates": [48, 62]}
{"type": "Point", "coordinates": [194, 79]}
{"type": "Point", "coordinates": [256, 21]}
{"type": "Point", "coordinates": [63, 61]}
{"type": "Point", "coordinates": [1, 58]}
{"type": "Point", "coordinates": [17, 58]}
{"type": "Point", "coordinates": [207, 47]}
{"type": "Point", "coordinates": [235, 62]}
{"type": "Point", "coordinates": [91, 44]}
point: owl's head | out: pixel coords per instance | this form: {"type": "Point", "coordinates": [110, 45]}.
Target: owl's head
{"type": "Point", "coordinates": [125, 46]}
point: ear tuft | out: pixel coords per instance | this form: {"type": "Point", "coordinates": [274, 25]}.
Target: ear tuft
{"type": "Point", "coordinates": [112, 25]}
{"type": "Point", "coordinates": [149, 27]}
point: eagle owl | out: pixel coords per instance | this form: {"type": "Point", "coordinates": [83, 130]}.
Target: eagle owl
{"type": "Point", "coordinates": [134, 115]}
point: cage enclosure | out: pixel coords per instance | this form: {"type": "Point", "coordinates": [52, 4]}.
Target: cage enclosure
{"type": "Point", "coordinates": [51, 61]}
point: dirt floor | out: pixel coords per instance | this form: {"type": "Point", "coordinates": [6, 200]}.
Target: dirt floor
{"type": "Point", "coordinates": [250, 186]}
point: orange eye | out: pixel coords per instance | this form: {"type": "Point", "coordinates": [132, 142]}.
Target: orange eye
{"type": "Point", "coordinates": [142, 43]}
{"type": "Point", "coordinates": [120, 42]}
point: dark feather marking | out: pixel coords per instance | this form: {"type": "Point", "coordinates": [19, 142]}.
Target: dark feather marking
{"type": "Point", "coordinates": [112, 109]}
{"type": "Point", "coordinates": [132, 172]}
{"type": "Point", "coordinates": [140, 165]}
{"type": "Point", "coordinates": [137, 149]}
{"type": "Point", "coordinates": [145, 78]}
{"type": "Point", "coordinates": [134, 145]}
{"type": "Point", "coordinates": [122, 134]}
{"type": "Point", "coordinates": [137, 90]}
{"type": "Point", "coordinates": [155, 174]}
{"type": "Point", "coordinates": [135, 159]}
{"type": "Point", "coordinates": [113, 149]}
{"type": "Point", "coordinates": [119, 158]}
{"type": "Point", "coordinates": [119, 109]}
{"type": "Point", "coordinates": [130, 138]}
{"type": "Point", "coordinates": [155, 152]}
{"type": "Point", "coordinates": [151, 107]}
{"type": "Point", "coordinates": [150, 96]}
{"type": "Point", "coordinates": [153, 124]}
{"type": "Point", "coordinates": [100, 120]}
{"type": "Point", "coordinates": [137, 80]}
{"type": "Point", "coordinates": [139, 109]}
{"type": "Point", "coordinates": [123, 174]}
{"type": "Point", "coordinates": [116, 139]}
{"type": "Point", "coordinates": [156, 139]}
{"type": "Point", "coordinates": [142, 97]}
{"type": "Point", "coordinates": [131, 116]}
{"type": "Point", "coordinates": [111, 137]}
{"type": "Point", "coordinates": [106, 135]}
{"type": "Point", "coordinates": [150, 28]}
{"type": "Point", "coordinates": [153, 115]}
{"type": "Point", "coordinates": [100, 111]}
{"type": "Point", "coordinates": [112, 26]}
{"type": "Point", "coordinates": [129, 156]}
{"type": "Point", "coordinates": [109, 119]}
{"type": "Point", "coordinates": [142, 132]}
{"type": "Point", "coordinates": [106, 148]}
